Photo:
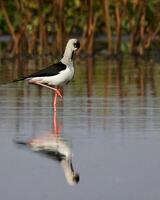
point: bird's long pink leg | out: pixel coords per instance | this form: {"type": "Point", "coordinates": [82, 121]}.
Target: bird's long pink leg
{"type": "Point", "coordinates": [55, 124]}
{"type": "Point", "coordinates": [52, 88]}
{"type": "Point", "coordinates": [55, 102]}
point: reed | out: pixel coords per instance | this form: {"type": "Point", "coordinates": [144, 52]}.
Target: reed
{"type": "Point", "coordinates": [41, 26]}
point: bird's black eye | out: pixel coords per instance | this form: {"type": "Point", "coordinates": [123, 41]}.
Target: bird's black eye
{"type": "Point", "coordinates": [77, 44]}
{"type": "Point", "coordinates": [76, 178]}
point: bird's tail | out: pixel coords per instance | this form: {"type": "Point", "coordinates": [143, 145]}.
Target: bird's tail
{"type": "Point", "coordinates": [19, 142]}
{"type": "Point", "coordinates": [19, 79]}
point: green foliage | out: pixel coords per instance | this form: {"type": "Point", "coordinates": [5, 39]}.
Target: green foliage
{"type": "Point", "coordinates": [29, 13]}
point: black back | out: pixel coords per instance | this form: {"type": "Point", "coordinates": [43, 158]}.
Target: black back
{"type": "Point", "coordinates": [51, 70]}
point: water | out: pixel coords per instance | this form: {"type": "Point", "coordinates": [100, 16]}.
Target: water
{"type": "Point", "coordinates": [107, 125]}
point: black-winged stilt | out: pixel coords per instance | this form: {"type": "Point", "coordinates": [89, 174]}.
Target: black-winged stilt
{"type": "Point", "coordinates": [57, 74]}
{"type": "Point", "coordinates": [53, 146]}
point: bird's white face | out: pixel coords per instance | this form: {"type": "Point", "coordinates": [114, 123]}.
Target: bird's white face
{"type": "Point", "coordinates": [73, 44]}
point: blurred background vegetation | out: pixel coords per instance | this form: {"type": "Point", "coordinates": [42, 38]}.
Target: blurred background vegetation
{"type": "Point", "coordinates": [32, 27]}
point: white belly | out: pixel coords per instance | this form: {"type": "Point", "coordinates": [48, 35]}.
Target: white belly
{"type": "Point", "coordinates": [60, 79]}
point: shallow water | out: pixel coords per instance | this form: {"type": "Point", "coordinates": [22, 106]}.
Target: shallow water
{"type": "Point", "coordinates": [107, 123]}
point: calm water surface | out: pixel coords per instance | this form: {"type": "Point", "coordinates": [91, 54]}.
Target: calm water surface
{"type": "Point", "coordinates": [107, 125]}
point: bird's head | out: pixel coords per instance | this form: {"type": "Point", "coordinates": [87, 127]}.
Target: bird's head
{"type": "Point", "coordinates": [73, 45]}
{"type": "Point", "coordinates": [73, 179]}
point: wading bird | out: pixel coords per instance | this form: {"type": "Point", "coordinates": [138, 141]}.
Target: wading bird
{"type": "Point", "coordinates": [55, 147]}
{"type": "Point", "coordinates": [58, 74]}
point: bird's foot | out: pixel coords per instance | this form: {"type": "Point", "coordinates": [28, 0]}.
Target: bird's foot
{"type": "Point", "coordinates": [58, 93]}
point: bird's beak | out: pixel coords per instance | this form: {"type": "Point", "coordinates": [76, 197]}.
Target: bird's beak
{"type": "Point", "coordinates": [77, 45]}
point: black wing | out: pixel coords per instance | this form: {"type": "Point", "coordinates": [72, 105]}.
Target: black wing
{"type": "Point", "coordinates": [49, 71]}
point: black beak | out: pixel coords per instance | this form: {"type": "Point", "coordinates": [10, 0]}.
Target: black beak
{"type": "Point", "coordinates": [76, 178]}
{"type": "Point", "coordinates": [77, 45]}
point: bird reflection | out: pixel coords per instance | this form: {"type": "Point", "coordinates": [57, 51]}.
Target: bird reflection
{"type": "Point", "coordinates": [53, 146]}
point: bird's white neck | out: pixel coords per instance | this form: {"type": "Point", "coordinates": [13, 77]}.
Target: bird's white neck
{"type": "Point", "coordinates": [67, 57]}
{"type": "Point", "coordinates": [68, 170]}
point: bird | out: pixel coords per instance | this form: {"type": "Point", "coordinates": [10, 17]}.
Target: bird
{"type": "Point", "coordinates": [55, 148]}
{"type": "Point", "coordinates": [58, 74]}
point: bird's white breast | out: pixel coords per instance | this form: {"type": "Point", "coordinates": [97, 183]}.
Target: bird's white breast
{"type": "Point", "coordinates": [60, 79]}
